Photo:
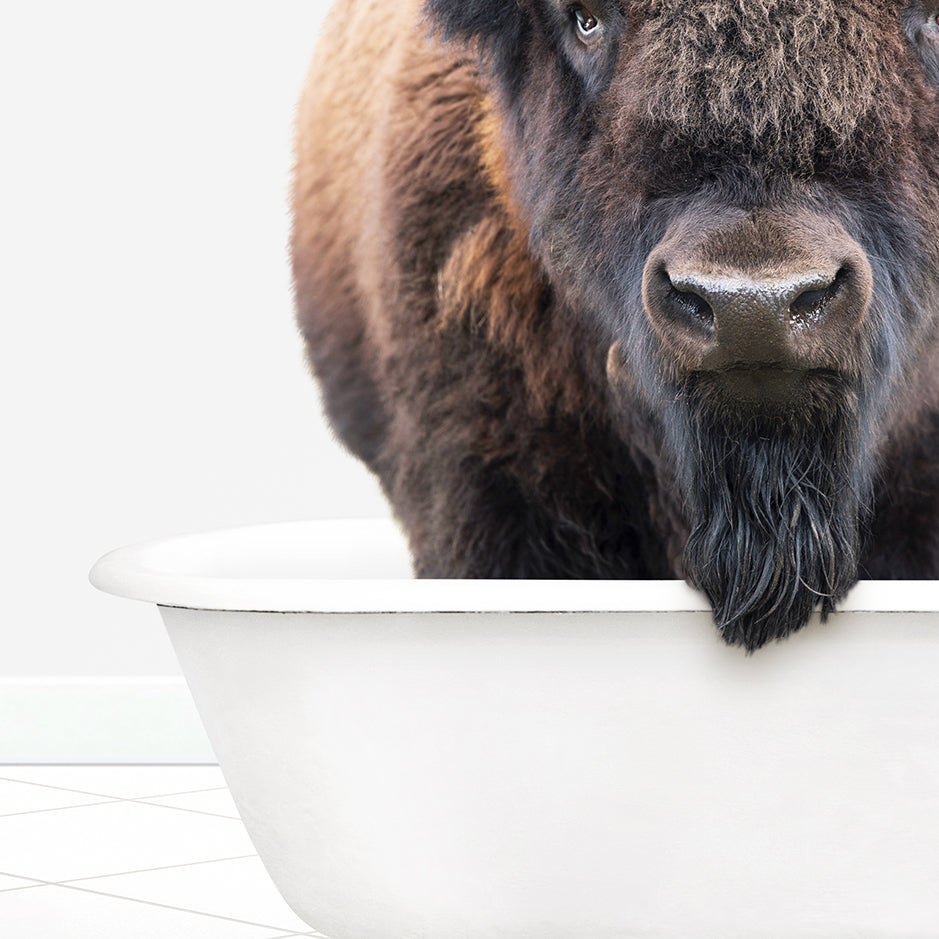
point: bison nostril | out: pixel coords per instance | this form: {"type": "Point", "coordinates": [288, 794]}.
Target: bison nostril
{"type": "Point", "coordinates": [688, 305]}
{"type": "Point", "coordinates": [695, 305]}
{"type": "Point", "coordinates": [811, 305]}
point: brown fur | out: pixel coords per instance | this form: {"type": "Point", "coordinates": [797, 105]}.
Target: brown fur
{"type": "Point", "coordinates": [787, 75]}
{"type": "Point", "coordinates": [476, 194]}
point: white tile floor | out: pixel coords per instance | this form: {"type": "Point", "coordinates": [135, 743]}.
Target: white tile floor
{"type": "Point", "coordinates": [149, 852]}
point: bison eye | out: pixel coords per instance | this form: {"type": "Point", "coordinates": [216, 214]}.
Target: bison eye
{"type": "Point", "coordinates": [587, 24]}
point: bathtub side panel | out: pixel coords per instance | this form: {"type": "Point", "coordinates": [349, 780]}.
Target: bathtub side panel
{"type": "Point", "coordinates": [487, 776]}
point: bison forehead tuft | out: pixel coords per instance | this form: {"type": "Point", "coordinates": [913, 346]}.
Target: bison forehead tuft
{"type": "Point", "coordinates": [790, 77]}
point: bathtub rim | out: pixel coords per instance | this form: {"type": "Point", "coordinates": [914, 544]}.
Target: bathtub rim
{"type": "Point", "coordinates": [156, 571]}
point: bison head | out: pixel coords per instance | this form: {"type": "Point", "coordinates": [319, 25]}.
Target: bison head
{"type": "Point", "coordinates": [742, 197]}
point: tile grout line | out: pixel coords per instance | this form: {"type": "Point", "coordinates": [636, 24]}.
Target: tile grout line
{"type": "Point", "coordinates": [108, 800]}
{"type": "Point", "coordinates": [180, 808]}
{"type": "Point", "coordinates": [187, 792]}
{"type": "Point", "coordinates": [85, 792]}
{"type": "Point", "coordinates": [39, 882]}
{"type": "Point", "coordinates": [167, 906]}
{"type": "Point", "coordinates": [81, 792]}
{"type": "Point", "coordinates": [36, 882]}
{"type": "Point", "coordinates": [62, 808]}
{"type": "Point", "coordinates": [145, 870]}
{"type": "Point", "coordinates": [70, 885]}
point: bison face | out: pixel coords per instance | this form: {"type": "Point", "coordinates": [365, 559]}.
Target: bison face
{"type": "Point", "coordinates": [742, 198]}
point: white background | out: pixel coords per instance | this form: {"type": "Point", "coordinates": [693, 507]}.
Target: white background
{"type": "Point", "coordinates": [153, 381]}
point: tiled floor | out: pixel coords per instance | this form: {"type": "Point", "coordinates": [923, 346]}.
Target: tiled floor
{"type": "Point", "coordinates": [149, 852]}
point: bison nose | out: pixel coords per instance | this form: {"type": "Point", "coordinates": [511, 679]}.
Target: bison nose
{"type": "Point", "coordinates": [752, 321]}
{"type": "Point", "coordinates": [781, 316]}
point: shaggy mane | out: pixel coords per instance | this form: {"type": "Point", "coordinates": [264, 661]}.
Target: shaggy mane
{"type": "Point", "coordinates": [787, 80]}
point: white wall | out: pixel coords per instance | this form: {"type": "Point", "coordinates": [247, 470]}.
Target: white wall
{"type": "Point", "coordinates": [152, 378]}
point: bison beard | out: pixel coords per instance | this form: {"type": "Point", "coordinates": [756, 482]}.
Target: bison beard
{"type": "Point", "coordinates": [775, 515]}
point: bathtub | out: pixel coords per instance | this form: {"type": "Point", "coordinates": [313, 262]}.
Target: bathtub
{"type": "Point", "coordinates": [553, 760]}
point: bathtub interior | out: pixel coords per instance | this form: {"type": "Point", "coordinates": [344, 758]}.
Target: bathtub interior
{"type": "Point", "coordinates": [353, 549]}
{"type": "Point", "coordinates": [338, 565]}
{"type": "Point", "coordinates": [363, 565]}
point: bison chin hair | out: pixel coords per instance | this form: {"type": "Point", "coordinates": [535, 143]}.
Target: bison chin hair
{"type": "Point", "coordinates": [775, 510]}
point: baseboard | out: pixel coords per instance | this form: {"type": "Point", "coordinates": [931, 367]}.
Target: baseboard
{"type": "Point", "coordinates": [100, 720]}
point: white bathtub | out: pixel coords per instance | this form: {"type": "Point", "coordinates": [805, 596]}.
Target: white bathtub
{"type": "Point", "coordinates": [554, 760]}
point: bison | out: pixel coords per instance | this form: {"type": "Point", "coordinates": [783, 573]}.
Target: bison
{"type": "Point", "coordinates": [634, 288]}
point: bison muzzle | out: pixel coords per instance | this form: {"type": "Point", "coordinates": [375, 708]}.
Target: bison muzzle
{"type": "Point", "coordinates": [634, 289]}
